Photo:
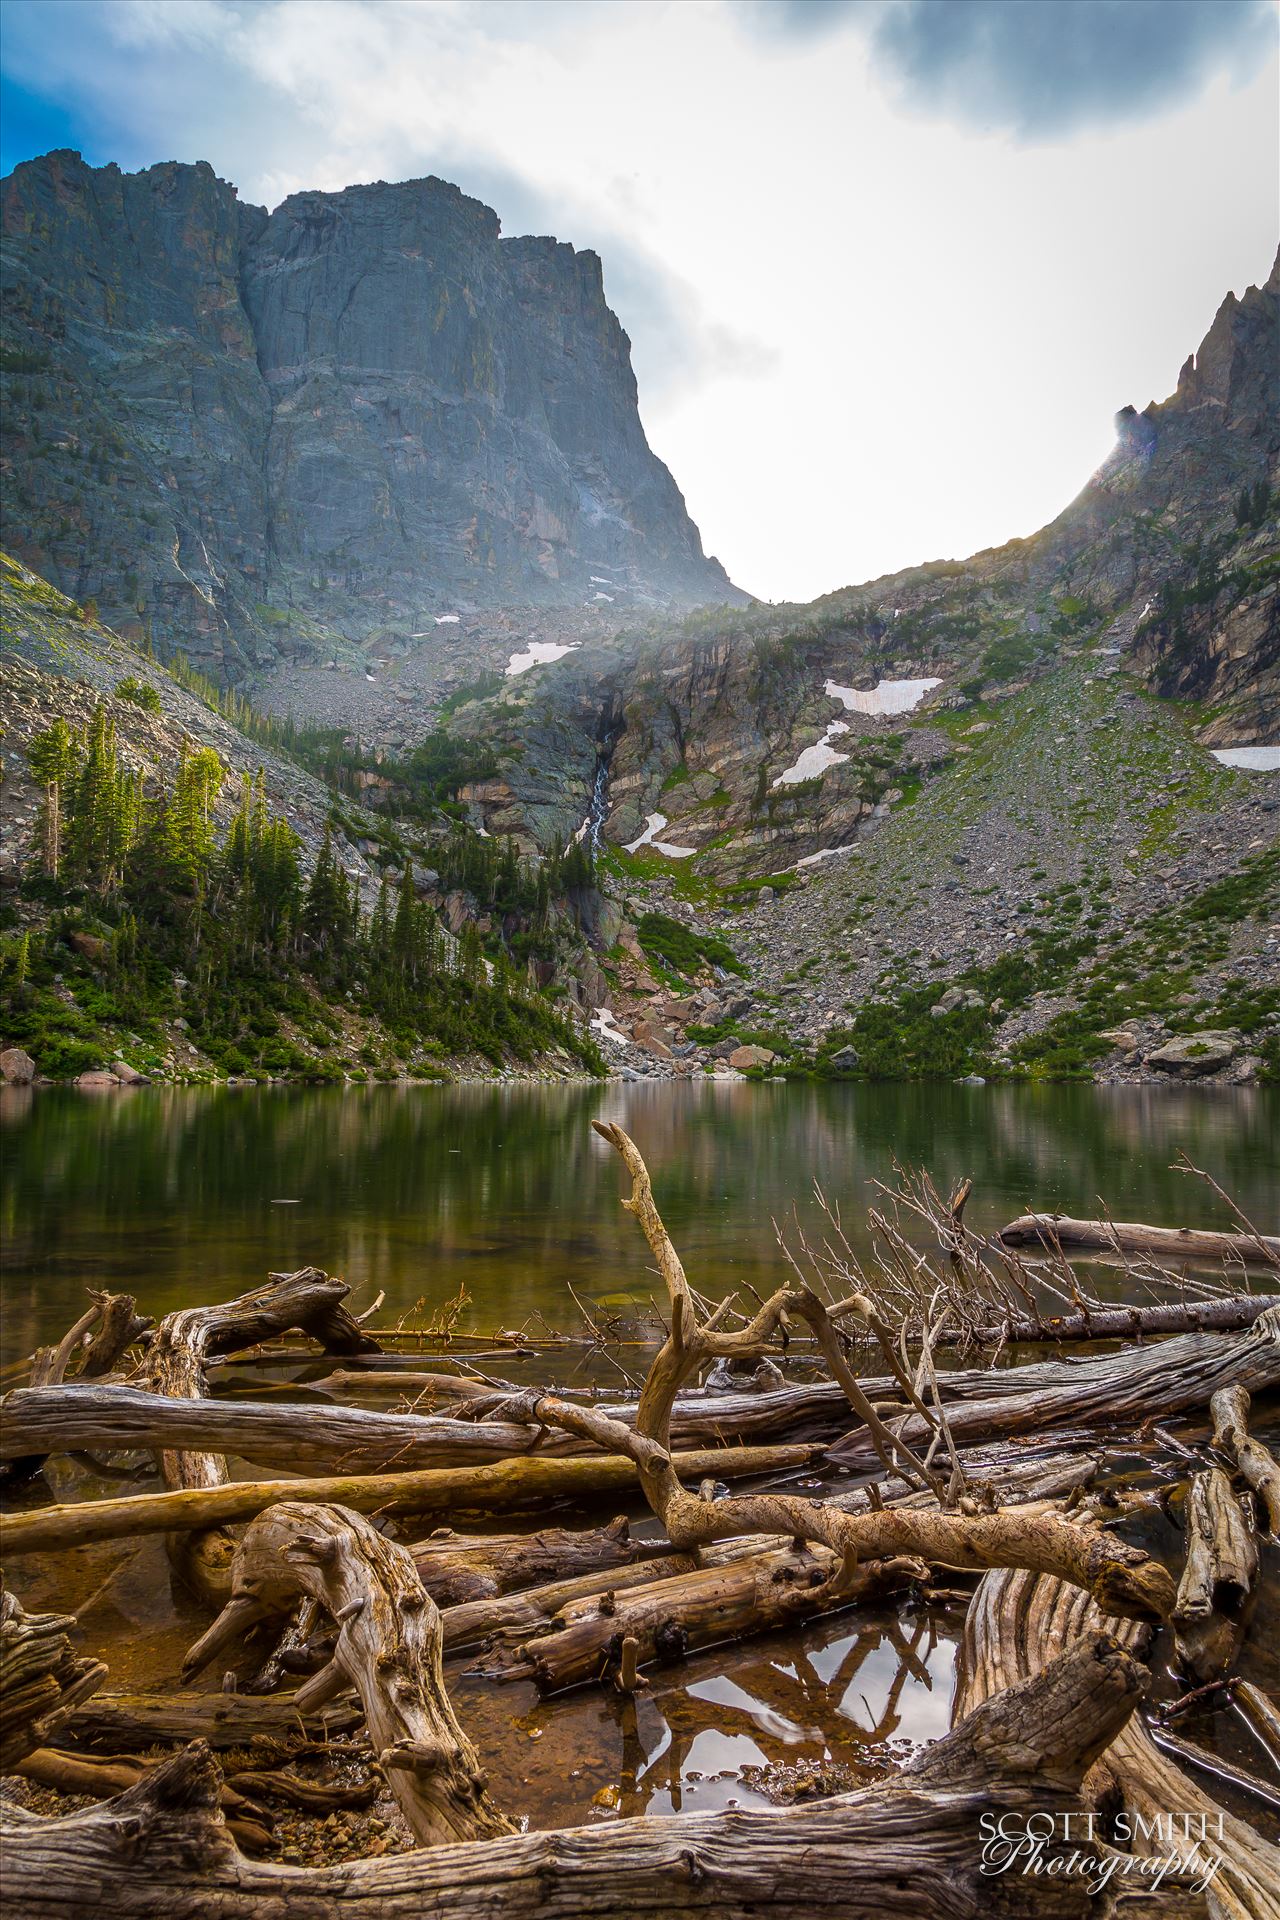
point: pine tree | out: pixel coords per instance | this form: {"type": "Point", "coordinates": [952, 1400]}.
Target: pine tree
{"type": "Point", "coordinates": [54, 757]}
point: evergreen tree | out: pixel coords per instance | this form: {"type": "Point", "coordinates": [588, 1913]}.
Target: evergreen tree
{"type": "Point", "coordinates": [53, 757]}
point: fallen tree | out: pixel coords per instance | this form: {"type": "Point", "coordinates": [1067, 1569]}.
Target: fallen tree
{"type": "Point", "coordinates": [909, 1846]}
{"type": "Point", "coordinates": [120, 1722]}
{"type": "Point", "coordinates": [1020, 1624]}
{"type": "Point", "coordinates": [1229, 1411]}
{"type": "Point", "coordinates": [1131, 1236]}
{"type": "Point", "coordinates": [504, 1487]}
{"type": "Point", "coordinates": [388, 1648]}
{"type": "Point", "coordinates": [1220, 1569]}
{"type": "Point", "coordinates": [1100, 1389]}
{"type": "Point", "coordinates": [1125, 1579]}
{"type": "Point", "coordinates": [174, 1368]}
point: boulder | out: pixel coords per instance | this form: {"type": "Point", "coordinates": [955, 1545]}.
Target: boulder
{"type": "Point", "coordinates": [91, 945]}
{"type": "Point", "coordinates": [127, 1075]}
{"type": "Point", "coordinates": [955, 999]}
{"type": "Point", "coordinates": [847, 1057]}
{"type": "Point", "coordinates": [1120, 1039]}
{"type": "Point", "coordinates": [17, 1069]}
{"type": "Point", "coordinates": [652, 1038]}
{"type": "Point", "coordinates": [744, 1057]}
{"type": "Point", "coordinates": [97, 1077]}
{"type": "Point", "coordinates": [1191, 1055]}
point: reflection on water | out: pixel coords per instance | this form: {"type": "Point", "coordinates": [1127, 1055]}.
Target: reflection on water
{"type": "Point", "coordinates": [839, 1702]}
{"type": "Point", "coordinates": [174, 1194]}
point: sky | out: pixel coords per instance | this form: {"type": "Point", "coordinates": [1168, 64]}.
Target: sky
{"type": "Point", "coordinates": [889, 267]}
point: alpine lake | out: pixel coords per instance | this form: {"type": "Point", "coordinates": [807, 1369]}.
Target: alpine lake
{"type": "Point", "coordinates": [495, 1212]}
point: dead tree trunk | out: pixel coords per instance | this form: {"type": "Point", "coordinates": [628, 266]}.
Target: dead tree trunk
{"type": "Point", "coordinates": [42, 1680]}
{"type": "Point", "coordinates": [121, 1722]}
{"type": "Point", "coordinates": [388, 1649]}
{"type": "Point", "coordinates": [911, 1846]}
{"type": "Point", "coordinates": [1221, 1566]}
{"type": "Point", "coordinates": [506, 1486]}
{"type": "Point", "coordinates": [1101, 1389]}
{"type": "Point", "coordinates": [665, 1619]}
{"type": "Point", "coordinates": [1020, 1624]}
{"type": "Point", "coordinates": [174, 1369]}
{"type": "Point", "coordinates": [1131, 1236]}
{"type": "Point", "coordinates": [456, 1567]}
{"type": "Point", "coordinates": [1124, 1579]}
{"type": "Point", "coordinates": [1229, 1410]}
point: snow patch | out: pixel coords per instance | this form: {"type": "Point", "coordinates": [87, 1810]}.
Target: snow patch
{"type": "Point", "coordinates": [1258, 759]}
{"type": "Point", "coordinates": [826, 853]}
{"type": "Point", "coordinates": [447, 619]}
{"type": "Point", "coordinates": [603, 1023]}
{"type": "Point", "coordinates": [599, 580]}
{"type": "Point", "coordinates": [890, 696]}
{"type": "Point", "coordinates": [816, 759]}
{"type": "Point", "coordinates": [539, 653]}
{"type": "Point", "coordinates": [654, 825]}
{"type": "Point", "coordinates": [603, 596]}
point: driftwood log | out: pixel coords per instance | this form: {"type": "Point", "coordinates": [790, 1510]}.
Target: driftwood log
{"type": "Point", "coordinates": [174, 1368]}
{"type": "Point", "coordinates": [121, 1722]}
{"type": "Point", "coordinates": [1124, 1579]}
{"type": "Point", "coordinates": [456, 1567]}
{"type": "Point", "coordinates": [388, 1649]}
{"type": "Point", "coordinates": [42, 1679]}
{"type": "Point", "coordinates": [504, 1487]}
{"type": "Point", "coordinates": [616, 1633]}
{"type": "Point", "coordinates": [1221, 1567]}
{"type": "Point", "coordinates": [1229, 1411]}
{"type": "Point", "coordinates": [248, 1822]}
{"type": "Point", "coordinates": [908, 1847]}
{"type": "Point", "coordinates": [1020, 1624]}
{"type": "Point", "coordinates": [1131, 1236]}
{"type": "Point", "coordinates": [1127, 1387]}
{"type": "Point", "coordinates": [516, 1617]}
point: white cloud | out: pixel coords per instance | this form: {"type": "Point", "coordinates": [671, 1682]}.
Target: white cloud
{"type": "Point", "coordinates": [862, 339]}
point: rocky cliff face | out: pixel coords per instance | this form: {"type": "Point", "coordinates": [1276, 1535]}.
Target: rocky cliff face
{"type": "Point", "coordinates": [256, 435]}
{"type": "Point", "coordinates": [1156, 566]}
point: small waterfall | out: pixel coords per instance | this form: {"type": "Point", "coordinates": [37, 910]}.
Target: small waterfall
{"type": "Point", "coordinates": [598, 810]}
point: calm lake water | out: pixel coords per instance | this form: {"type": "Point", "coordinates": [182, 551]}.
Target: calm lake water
{"type": "Point", "coordinates": [179, 1196]}
{"type": "Point", "coordinates": [507, 1194]}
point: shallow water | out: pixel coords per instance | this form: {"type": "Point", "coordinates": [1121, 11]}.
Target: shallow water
{"type": "Point", "coordinates": [180, 1196]}
{"type": "Point", "coordinates": [189, 1195]}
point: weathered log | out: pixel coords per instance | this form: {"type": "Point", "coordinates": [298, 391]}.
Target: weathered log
{"type": "Point", "coordinates": [1213, 1763]}
{"type": "Point", "coordinates": [1131, 1236]}
{"type": "Point", "coordinates": [1100, 1389]}
{"type": "Point", "coordinates": [1125, 1579]}
{"type": "Point", "coordinates": [1229, 1315]}
{"type": "Point", "coordinates": [42, 1679]}
{"type": "Point", "coordinates": [1261, 1718]}
{"type": "Point", "coordinates": [174, 1369]}
{"type": "Point", "coordinates": [1221, 1566]}
{"type": "Point", "coordinates": [1020, 1624]}
{"type": "Point", "coordinates": [313, 1438]}
{"type": "Point", "coordinates": [907, 1847]}
{"type": "Point", "coordinates": [454, 1567]}
{"type": "Point", "coordinates": [103, 1779]}
{"type": "Point", "coordinates": [1229, 1411]}
{"type": "Point", "coordinates": [388, 1649]}
{"type": "Point", "coordinates": [517, 1616]}
{"type": "Point", "coordinates": [121, 1721]}
{"type": "Point", "coordinates": [666, 1619]}
{"type": "Point", "coordinates": [507, 1486]}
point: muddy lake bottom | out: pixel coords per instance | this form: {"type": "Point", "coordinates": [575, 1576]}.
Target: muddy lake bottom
{"type": "Point", "coordinates": [503, 1202]}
